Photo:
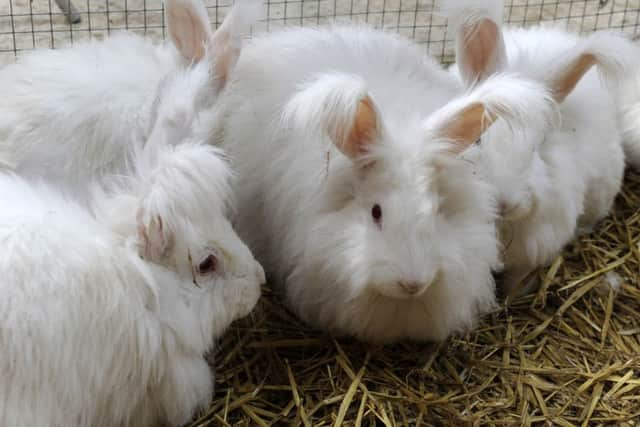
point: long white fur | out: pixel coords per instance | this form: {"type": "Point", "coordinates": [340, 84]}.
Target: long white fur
{"type": "Point", "coordinates": [563, 179]}
{"type": "Point", "coordinates": [305, 208]}
{"type": "Point", "coordinates": [91, 334]}
{"type": "Point", "coordinates": [72, 114]}
{"type": "Point", "coordinates": [325, 103]}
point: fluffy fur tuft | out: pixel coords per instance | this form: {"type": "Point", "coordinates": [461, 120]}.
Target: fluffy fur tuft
{"type": "Point", "coordinates": [326, 104]}
{"type": "Point", "coordinates": [189, 178]}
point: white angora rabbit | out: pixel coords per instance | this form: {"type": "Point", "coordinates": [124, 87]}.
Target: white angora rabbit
{"type": "Point", "coordinates": [107, 311]}
{"type": "Point", "coordinates": [558, 180]}
{"type": "Point", "coordinates": [351, 189]}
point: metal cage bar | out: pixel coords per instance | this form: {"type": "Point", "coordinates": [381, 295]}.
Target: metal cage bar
{"type": "Point", "coordinates": [31, 24]}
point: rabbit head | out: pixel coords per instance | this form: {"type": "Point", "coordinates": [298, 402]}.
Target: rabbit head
{"type": "Point", "coordinates": [403, 236]}
{"type": "Point", "coordinates": [182, 224]}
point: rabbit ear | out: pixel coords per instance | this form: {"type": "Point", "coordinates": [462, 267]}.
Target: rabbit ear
{"type": "Point", "coordinates": [465, 126]}
{"type": "Point", "coordinates": [521, 103]}
{"type": "Point", "coordinates": [353, 136]}
{"type": "Point", "coordinates": [338, 105]}
{"type": "Point", "coordinates": [566, 79]}
{"type": "Point", "coordinates": [188, 27]}
{"type": "Point", "coordinates": [480, 49]}
{"type": "Point", "coordinates": [190, 32]}
{"type": "Point", "coordinates": [615, 56]}
{"type": "Point", "coordinates": [154, 240]}
{"type": "Point", "coordinates": [225, 44]}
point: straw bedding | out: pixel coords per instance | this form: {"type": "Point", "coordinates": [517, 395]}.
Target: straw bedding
{"type": "Point", "coordinates": [568, 355]}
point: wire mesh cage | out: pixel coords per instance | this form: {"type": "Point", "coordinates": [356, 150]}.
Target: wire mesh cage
{"type": "Point", "coordinates": [30, 24]}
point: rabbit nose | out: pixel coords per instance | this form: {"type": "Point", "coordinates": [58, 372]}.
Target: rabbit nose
{"type": "Point", "coordinates": [260, 276]}
{"type": "Point", "coordinates": [412, 288]}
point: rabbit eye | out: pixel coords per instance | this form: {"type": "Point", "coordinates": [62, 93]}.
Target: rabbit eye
{"type": "Point", "coordinates": [208, 265]}
{"type": "Point", "coordinates": [376, 213]}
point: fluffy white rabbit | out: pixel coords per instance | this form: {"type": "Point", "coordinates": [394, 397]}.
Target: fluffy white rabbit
{"type": "Point", "coordinates": [106, 312]}
{"type": "Point", "coordinates": [557, 180]}
{"type": "Point", "coordinates": [351, 191]}
{"type": "Point", "coordinates": [70, 114]}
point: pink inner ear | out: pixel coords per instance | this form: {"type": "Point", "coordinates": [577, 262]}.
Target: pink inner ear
{"type": "Point", "coordinates": [154, 240]}
{"type": "Point", "coordinates": [363, 131]}
{"type": "Point", "coordinates": [143, 241]}
{"type": "Point", "coordinates": [187, 32]}
{"type": "Point", "coordinates": [467, 126]}
{"type": "Point", "coordinates": [480, 49]}
{"type": "Point", "coordinates": [569, 78]}
{"type": "Point", "coordinates": [225, 55]}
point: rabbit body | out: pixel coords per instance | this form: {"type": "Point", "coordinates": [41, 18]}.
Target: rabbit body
{"type": "Point", "coordinates": [72, 115]}
{"type": "Point", "coordinates": [567, 181]}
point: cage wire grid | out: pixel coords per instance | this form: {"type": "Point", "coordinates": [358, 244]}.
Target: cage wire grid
{"type": "Point", "coordinates": [32, 24]}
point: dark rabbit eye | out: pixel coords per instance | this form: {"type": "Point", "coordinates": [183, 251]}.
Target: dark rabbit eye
{"type": "Point", "coordinates": [376, 213]}
{"type": "Point", "coordinates": [208, 265]}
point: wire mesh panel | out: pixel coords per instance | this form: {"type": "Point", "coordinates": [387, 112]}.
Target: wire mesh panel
{"type": "Point", "coordinates": [29, 24]}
